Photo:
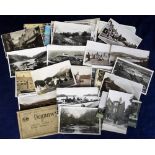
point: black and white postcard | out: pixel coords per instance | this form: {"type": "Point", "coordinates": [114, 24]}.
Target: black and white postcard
{"type": "Point", "coordinates": [95, 74]}
{"type": "Point", "coordinates": [96, 54]}
{"type": "Point", "coordinates": [134, 110]}
{"type": "Point", "coordinates": [33, 100]}
{"type": "Point", "coordinates": [49, 78]}
{"type": "Point", "coordinates": [78, 96]}
{"type": "Point", "coordinates": [115, 34]}
{"type": "Point", "coordinates": [137, 56]}
{"type": "Point", "coordinates": [102, 105]}
{"type": "Point", "coordinates": [57, 53]}
{"type": "Point", "coordinates": [79, 120]}
{"type": "Point", "coordinates": [113, 82]}
{"type": "Point", "coordinates": [133, 72]}
{"type": "Point", "coordinates": [23, 39]}
{"type": "Point", "coordinates": [29, 59]}
{"type": "Point", "coordinates": [71, 34]}
{"type": "Point", "coordinates": [117, 112]}
{"type": "Point", "coordinates": [82, 75]}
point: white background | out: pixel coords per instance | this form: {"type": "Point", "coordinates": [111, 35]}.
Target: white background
{"type": "Point", "coordinates": [77, 147]}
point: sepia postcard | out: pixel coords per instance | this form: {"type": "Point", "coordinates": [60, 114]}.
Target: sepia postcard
{"type": "Point", "coordinates": [117, 112]}
{"type": "Point", "coordinates": [26, 60]}
{"type": "Point", "coordinates": [57, 53]}
{"type": "Point", "coordinates": [33, 100]}
{"type": "Point", "coordinates": [113, 82]}
{"type": "Point", "coordinates": [79, 120]}
{"type": "Point", "coordinates": [38, 122]}
{"type": "Point", "coordinates": [23, 39]}
{"type": "Point", "coordinates": [24, 82]}
{"type": "Point", "coordinates": [133, 72]}
{"type": "Point", "coordinates": [71, 34]}
{"type": "Point", "coordinates": [137, 56]}
{"type": "Point", "coordinates": [96, 54]}
{"type": "Point", "coordinates": [83, 75]}
{"type": "Point", "coordinates": [114, 34]}
{"type": "Point", "coordinates": [47, 79]}
{"type": "Point", "coordinates": [78, 96]}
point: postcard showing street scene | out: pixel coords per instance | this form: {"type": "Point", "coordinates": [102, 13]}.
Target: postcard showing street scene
{"type": "Point", "coordinates": [82, 75]}
{"type": "Point", "coordinates": [71, 34]}
{"type": "Point", "coordinates": [96, 54]}
{"type": "Point", "coordinates": [95, 72]}
{"type": "Point", "coordinates": [79, 120]}
{"type": "Point", "coordinates": [51, 77]}
{"type": "Point", "coordinates": [117, 112]}
{"type": "Point", "coordinates": [137, 56]}
{"type": "Point", "coordinates": [33, 100]}
{"type": "Point", "coordinates": [23, 39]}
{"type": "Point", "coordinates": [114, 34]}
{"type": "Point", "coordinates": [24, 82]}
{"type": "Point", "coordinates": [78, 96]}
{"type": "Point", "coordinates": [57, 53]}
{"type": "Point", "coordinates": [29, 59]}
{"type": "Point", "coordinates": [133, 72]}
{"type": "Point", "coordinates": [113, 82]}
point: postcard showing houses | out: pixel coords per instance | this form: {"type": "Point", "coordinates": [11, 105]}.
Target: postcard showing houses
{"type": "Point", "coordinates": [49, 78]}
{"type": "Point", "coordinates": [117, 112]}
{"type": "Point", "coordinates": [57, 53]}
{"type": "Point", "coordinates": [78, 96]}
{"type": "Point", "coordinates": [29, 59]}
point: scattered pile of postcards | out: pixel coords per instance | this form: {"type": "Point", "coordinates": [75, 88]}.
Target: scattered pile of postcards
{"type": "Point", "coordinates": [77, 77]}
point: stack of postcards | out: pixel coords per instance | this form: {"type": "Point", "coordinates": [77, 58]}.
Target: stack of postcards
{"type": "Point", "coordinates": [77, 77]}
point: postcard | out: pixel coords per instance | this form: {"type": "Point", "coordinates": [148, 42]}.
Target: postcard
{"type": "Point", "coordinates": [82, 75]}
{"type": "Point", "coordinates": [33, 100]}
{"type": "Point", "coordinates": [25, 60]}
{"type": "Point", "coordinates": [57, 53]}
{"type": "Point", "coordinates": [23, 39]}
{"type": "Point", "coordinates": [137, 56]}
{"type": "Point", "coordinates": [134, 113]}
{"type": "Point", "coordinates": [49, 78]}
{"type": "Point", "coordinates": [71, 34]}
{"type": "Point", "coordinates": [133, 72]}
{"type": "Point", "coordinates": [117, 112]}
{"type": "Point", "coordinates": [38, 122]}
{"type": "Point", "coordinates": [114, 34]}
{"type": "Point", "coordinates": [96, 54]}
{"type": "Point", "coordinates": [113, 82]}
{"type": "Point", "coordinates": [78, 96]}
{"type": "Point", "coordinates": [79, 120]}
{"type": "Point", "coordinates": [24, 83]}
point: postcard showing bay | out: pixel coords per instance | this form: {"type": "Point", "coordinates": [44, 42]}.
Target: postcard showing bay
{"type": "Point", "coordinates": [57, 53]}
{"type": "Point", "coordinates": [29, 59]}
{"type": "Point", "coordinates": [49, 78]}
